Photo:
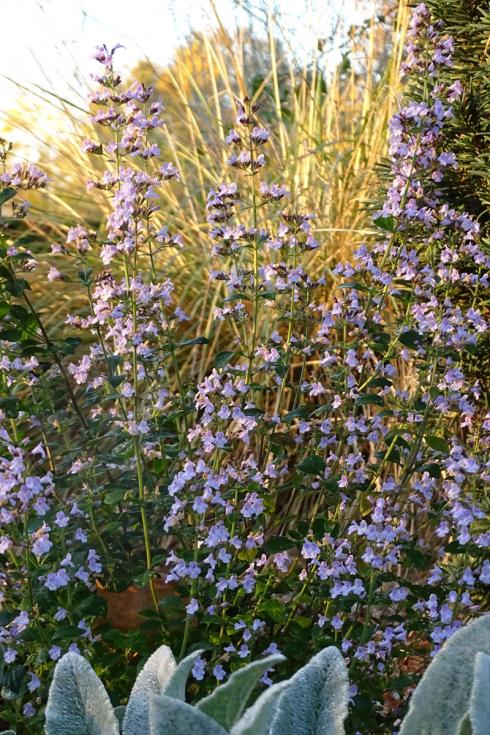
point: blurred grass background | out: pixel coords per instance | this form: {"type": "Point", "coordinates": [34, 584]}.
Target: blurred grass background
{"type": "Point", "coordinates": [329, 127]}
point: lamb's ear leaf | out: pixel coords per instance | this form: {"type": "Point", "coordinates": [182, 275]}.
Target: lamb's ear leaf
{"type": "Point", "coordinates": [315, 702]}
{"type": "Point", "coordinates": [8, 732]}
{"type": "Point", "coordinates": [480, 696]}
{"type": "Point", "coordinates": [227, 702]}
{"type": "Point", "coordinates": [256, 720]}
{"type": "Point", "coordinates": [442, 698]}
{"type": "Point", "coordinates": [78, 704]}
{"type": "Point", "coordinates": [177, 683]}
{"type": "Point", "coordinates": [170, 716]}
{"type": "Point", "coordinates": [119, 712]}
{"type": "Point", "coordinates": [152, 679]}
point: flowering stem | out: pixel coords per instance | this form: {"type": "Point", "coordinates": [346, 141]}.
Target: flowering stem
{"type": "Point", "coordinates": [372, 581]}
{"type": "Point", "coordinates": [136, 442]}
{"type": "Point", "coordinates": [255, 247]}
{"type": "Point", "coordinates": [57, 359]}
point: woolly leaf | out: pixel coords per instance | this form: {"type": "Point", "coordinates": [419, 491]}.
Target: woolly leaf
{"type": "Point", "coordinates": [315, 703]}
{"type": "Point", "coordinates": [78, 703]}
{"type": "Point", "coordinates": [480, 696]}
{"type": "Point", "coordinates": [227, 702]}
{"type": "Point", "coordinates": [169, 716]}
{"type": "Point", "coordinates": [8, 732]}
{"type": "Point", "coordinates": [176, 686]}
{"type": "Point", "coordinates": [152, 679]}
{"type": "Point", "coordinates": [442, 697]}
{"type": "Point", "coordinates": [257, 719]}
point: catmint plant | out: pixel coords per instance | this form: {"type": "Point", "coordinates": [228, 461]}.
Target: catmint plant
{"type": "Point", "coordinates": [322, 485]}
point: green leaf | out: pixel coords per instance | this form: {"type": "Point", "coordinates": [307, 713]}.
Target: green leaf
{"type": "Point", "coordinates": [282, 439]}
{"type": "Point", "coordinates": [4, 308]}
{"type": "Point", "coordinates": [274, 544]}
{"type": "Point", "coordinates": [271, 295]}
{"type": "Point", "coordinates": [379, 383]}
{"type": "Point", "coordinates": [442, 698]}
{"type": "Point", "coordinates": [17, 286]}
{"type": "Point", "coordinates": [21, 315]}
{"type": "Point", "coordinates": [257, 719]}
{"type": "Point", "coordinates": [6, 194]}
{"type": "Point", "coordinates": [151, 680]}
{"type": "Point", "coordinates": [370, 398]}
{"type": "Point", "coordinates": [437, 443]}
{"type": "Point", "coordinates": [253, 412]}
{"type": "Point", "coordinates": [10, 335]}
{"type": "Point", "coordinates": [410, 338]}
{"type": "Point", "coordinates": [315, 703]}
{"type": "Point", "coordinates": [195, 341]}
{"type": "Point", "coordinates": [169, 716]}
{"type": "Point", "coordinates": [432, 468]}
{"type": "Point", "coordinates": [222, 359]}
{"type": "Point", "coordinates": [417, 557]}
{"type": "Point", "coordinates": [480, 696]}
{"type": "Point", "coordinates": [68, 346]}
{"type": "Point", "coordinates": [356, 285]}
{"type": "Point", "coordinates": [115, 496]}
{"type": "Point", "coordinates": [312, 465]}
{"type": "Point", "coordinates": [297, 413]}
{"type": "Point", "coordinates": [11, 406]}
{"type": "Point", "coordinates": [464, 727]}
{"type": "Point", "coordinates": [92, 605]}
{"type": "Point", "coordinates": [274, 610]}
{"type": "Point", "coordinates": [116, 380]}
{"type": "Point", "coordinates": [388, 224]}
{"type": "Point", "coordinates": [178, 681]}
{"type": "Point", "coordinates": [78, 704]}
{"type": "Point", "coordinates": [30, 239]}
{"type": "Point", "coordinates": [227, 702]}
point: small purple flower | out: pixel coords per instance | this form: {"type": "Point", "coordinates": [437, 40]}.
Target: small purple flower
{"type": "Point", "coordinates": [34, 682]}
{"type": "Point", "coordinates": [9, 655]}
{"type": "Point", "coordinates": [219, 673]}
{"type": "Point", "coordinates": [232, 137]}
{"type": "Point", "coordinates": [260, 135]}
{"type": "Point", "coordinates": [398, 594]}
{"type": "Point", "coordinates": [199, 669]}
{"type": "Point", "coordinates": [253, 505]}
{"type": "Point", "coordinates": [29, 710]}
{"type": "Point", "coordinates": [42, 543]}
{"type": "Point", "coordinates": [57, 580]}
{"type": "Point", "coordinates": [310, 550]}
{"type": "Point", "coordinates": [54, 653]}
{"type": "Point", "coordinates": [192, 607]}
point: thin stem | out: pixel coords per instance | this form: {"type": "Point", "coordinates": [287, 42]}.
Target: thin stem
{"type": "Point", "coordinates": [57, 359]}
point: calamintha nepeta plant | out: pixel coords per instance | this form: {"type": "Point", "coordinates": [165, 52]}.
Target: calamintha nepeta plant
{"type": "Point", "coordinates": [322, 485]}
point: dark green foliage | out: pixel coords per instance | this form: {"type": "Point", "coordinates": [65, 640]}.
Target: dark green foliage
{"type": "Point", "coordinates": [467, 134]}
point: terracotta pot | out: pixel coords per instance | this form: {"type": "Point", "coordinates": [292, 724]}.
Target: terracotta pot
{"type": "Point", "coordinates": [124, 608]}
